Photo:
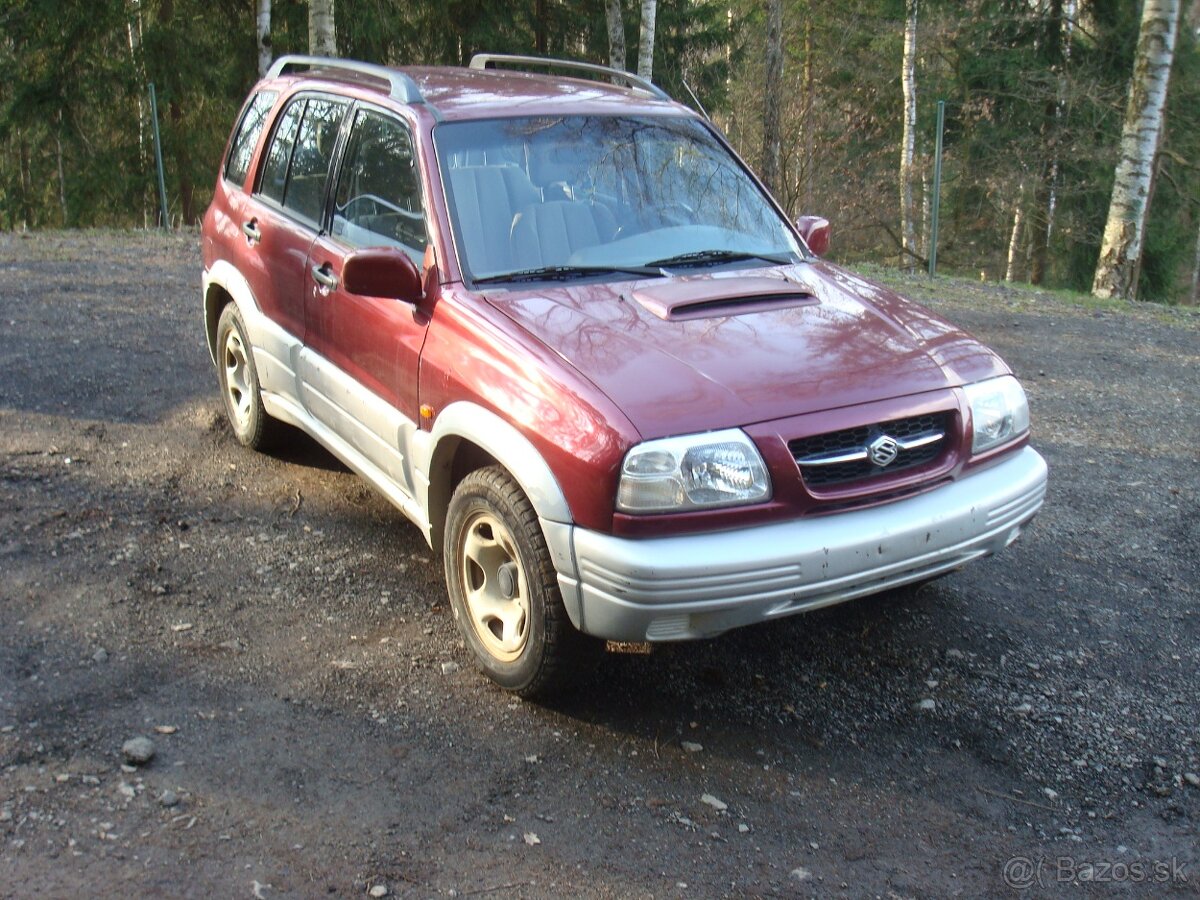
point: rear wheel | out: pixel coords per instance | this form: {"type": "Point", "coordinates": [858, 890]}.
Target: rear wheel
{"type": "Point", "coordinates": [239, 382]}
{"type": "Point", "coordinates": [504, 589]}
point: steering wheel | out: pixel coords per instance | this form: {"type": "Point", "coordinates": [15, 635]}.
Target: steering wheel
{"type": "Point", "coordinates": [373, 205]}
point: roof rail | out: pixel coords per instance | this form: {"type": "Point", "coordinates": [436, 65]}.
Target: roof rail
{"type": "Point", "coordinates": [487, 61]}
{"type": "Point", "coordinates": [400, 86]}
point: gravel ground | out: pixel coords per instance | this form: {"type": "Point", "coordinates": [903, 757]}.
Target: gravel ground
{"type": "Point", "coordinates": [282, 637]}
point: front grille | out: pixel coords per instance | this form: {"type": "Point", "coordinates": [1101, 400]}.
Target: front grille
{"type": "Point", "coordinates": [816, 456]}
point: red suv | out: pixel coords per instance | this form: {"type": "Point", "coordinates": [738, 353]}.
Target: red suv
{"type": "Point", "coordinates": [561, 326]}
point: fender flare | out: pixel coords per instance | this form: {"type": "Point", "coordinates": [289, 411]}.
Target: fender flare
{"type": "Point", "coordinates": [504, 443]}
{"type": "Point", "coordinates": [225, 276]}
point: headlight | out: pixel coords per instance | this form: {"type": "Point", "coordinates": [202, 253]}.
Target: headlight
{"type": "Point", "coordinates": [999, 410]}
{"type": "Point", "coordinates": [699, 471]}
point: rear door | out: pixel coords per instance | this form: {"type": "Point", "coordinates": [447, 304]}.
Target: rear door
{"type": "Point", "coordinates": [280, 220]}
{"type": "Point", "coordinates": [361, 353]}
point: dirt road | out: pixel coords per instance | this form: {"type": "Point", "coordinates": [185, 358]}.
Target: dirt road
{"type": "Point", "coordinates": [282, 636]}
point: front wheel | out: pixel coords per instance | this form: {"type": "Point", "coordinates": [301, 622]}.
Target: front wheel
{"type": "Point", "coordinates": [504, 589]}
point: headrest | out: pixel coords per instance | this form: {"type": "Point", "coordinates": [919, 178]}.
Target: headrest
{"type": "Point", "coordinates": [552, 163]}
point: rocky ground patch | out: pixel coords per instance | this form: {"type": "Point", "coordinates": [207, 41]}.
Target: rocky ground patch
{"type": "Point", "coordinates": [230, 674]}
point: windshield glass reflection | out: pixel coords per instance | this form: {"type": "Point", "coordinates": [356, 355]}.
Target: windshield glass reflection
{"type": "Point", "coordinates": [592, 196]}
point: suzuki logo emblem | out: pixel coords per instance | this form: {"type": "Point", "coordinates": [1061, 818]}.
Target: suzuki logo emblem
{"type": "Point", "coordinates": [882, 451]}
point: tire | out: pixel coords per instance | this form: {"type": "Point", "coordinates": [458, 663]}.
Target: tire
{"type": "Point", "coordinates": [240, 388]}
{"type": "Point", "coordinates": [504, 589]}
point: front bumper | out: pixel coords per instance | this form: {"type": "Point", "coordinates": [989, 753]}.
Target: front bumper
{"type": "Point", "coordinates": [699, 585]}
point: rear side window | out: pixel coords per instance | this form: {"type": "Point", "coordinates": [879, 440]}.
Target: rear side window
{"type": "Point", "coordinates": [297, 166]}
{"type": "Point", "coordinates": [246, 138]}
{"type": "Point", "coordinates": [274, 174]}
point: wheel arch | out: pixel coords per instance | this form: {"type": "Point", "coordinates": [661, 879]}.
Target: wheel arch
{"type": "Point", "coordinates": [466, 437]}
{"type": "Point", "coordinates": [223, 284]}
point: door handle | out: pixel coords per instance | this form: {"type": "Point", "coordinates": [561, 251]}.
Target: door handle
{"type": "Point", "coordinates": [250, 230]}
{"type": "Point", "coordinates": [323, 276]}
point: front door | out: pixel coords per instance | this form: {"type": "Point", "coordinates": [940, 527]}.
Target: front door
{"type": "Point", "coordinates": [361, 354]}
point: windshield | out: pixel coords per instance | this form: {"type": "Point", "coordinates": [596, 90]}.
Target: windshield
{"type": "Point", "coordinates": [602, 195]}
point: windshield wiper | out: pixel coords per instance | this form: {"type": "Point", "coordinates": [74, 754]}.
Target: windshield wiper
{"type": "Point", "coordinates": [564, 273]}
{"type": "Point", "coordinates": [716, 257]}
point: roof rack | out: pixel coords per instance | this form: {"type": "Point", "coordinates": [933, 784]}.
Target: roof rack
{"type": "Point", "coordinates": [400, 86]}
{"type": "Point", "coordinates": [488, 60]}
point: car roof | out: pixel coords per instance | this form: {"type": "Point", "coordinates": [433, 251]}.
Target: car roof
{"type": "Point", "coordinates": [460, 93]}
{"type": "Point", "coordinates": [456, 93]}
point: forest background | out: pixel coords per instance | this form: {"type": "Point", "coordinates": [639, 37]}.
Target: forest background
{"type": "Point", "coordinates": [814, 95]}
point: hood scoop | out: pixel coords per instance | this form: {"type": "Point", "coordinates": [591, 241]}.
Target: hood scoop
{"type": "Point", "coordinates": [709, 297]}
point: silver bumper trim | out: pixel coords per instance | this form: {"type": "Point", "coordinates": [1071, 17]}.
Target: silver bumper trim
{"type": "Point", "coordinates": [692, 586]}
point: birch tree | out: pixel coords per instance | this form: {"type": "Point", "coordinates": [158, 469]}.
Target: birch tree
{"type": "Point", "coordinates": [646, 44]}
{"type": "Point", "coordinates": [263, 33]}
{"type": "Point", "coordinates": [133, 31]}
{"type": "Point", "coordinates": [1014, 239]}
{"type": "Point", "coordinates": [322, 35]}
{"type": "Point", "coordinates": [908, 230]}
{"type": "Point", "coordinates": [1121, 247]}
{"type": "Point", "coordinates": [772, 98]}
{"type": "Point", "coordinates": [616, 35]}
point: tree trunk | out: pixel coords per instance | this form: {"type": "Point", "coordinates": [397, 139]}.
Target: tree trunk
{"type": "Point", "coordinates": [1195, 294]}
{"type": "Point", "coordinates": [1044, 198]}
{"type": "Point", "coordinates": [1121, 248]}
{"type": "Point", "coordinates": [26, 182]}
{"type": "Point", "coordinates": [1014, 241]}
{"type": "Point", "coordinates": [183, 163]}
{"type": "Point", "coordinates": [616, 35]}
{"type": "Point", "coordinates": [539, 27]}
{"type": "Point", "coordinates": [806, 116]}
{"type": "Point", "coordinates": [263, 31]}
{"type": "Point", "coordinates": [174, 138]}
{"type": "Point", "coordinates": [646, 44]}
{"type": "Point", "coordinates": [772, 98]}
{"type": "Point", "coordinates": [908, 80]}
{"type": "Point", "coordinates": [322, 34]}
{"type": "Point", "coordinates": [926, 206]}
{"type": "Point", "coordinates": [1040, 241]}
{"type": "Point", "coordinates": [62, 175]}
{"type": "Point", "coordinates": [1063, 20]}
{"type": "Point", "coordinates": [134, 29]}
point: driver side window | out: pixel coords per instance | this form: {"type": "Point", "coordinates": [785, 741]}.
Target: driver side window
{"type": "Point", "coordinates": [378, 201]}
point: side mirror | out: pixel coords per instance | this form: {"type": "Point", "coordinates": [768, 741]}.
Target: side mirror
{"type": "Point", "coordinates": [815, 232]}
{"type": "Point", "coordinates": [382, 272]}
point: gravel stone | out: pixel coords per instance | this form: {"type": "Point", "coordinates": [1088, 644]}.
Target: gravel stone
{"type": "Point", "coordinates": [138, 751]}
{"type": "Point", "coordinates": [718, 805]}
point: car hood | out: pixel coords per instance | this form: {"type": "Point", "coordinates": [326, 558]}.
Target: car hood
{"type": "Point", "coordinates": [723, 349]}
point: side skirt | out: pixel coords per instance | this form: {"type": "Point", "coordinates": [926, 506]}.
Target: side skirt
{"type": "Point", "coordinates": [289, 411]}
